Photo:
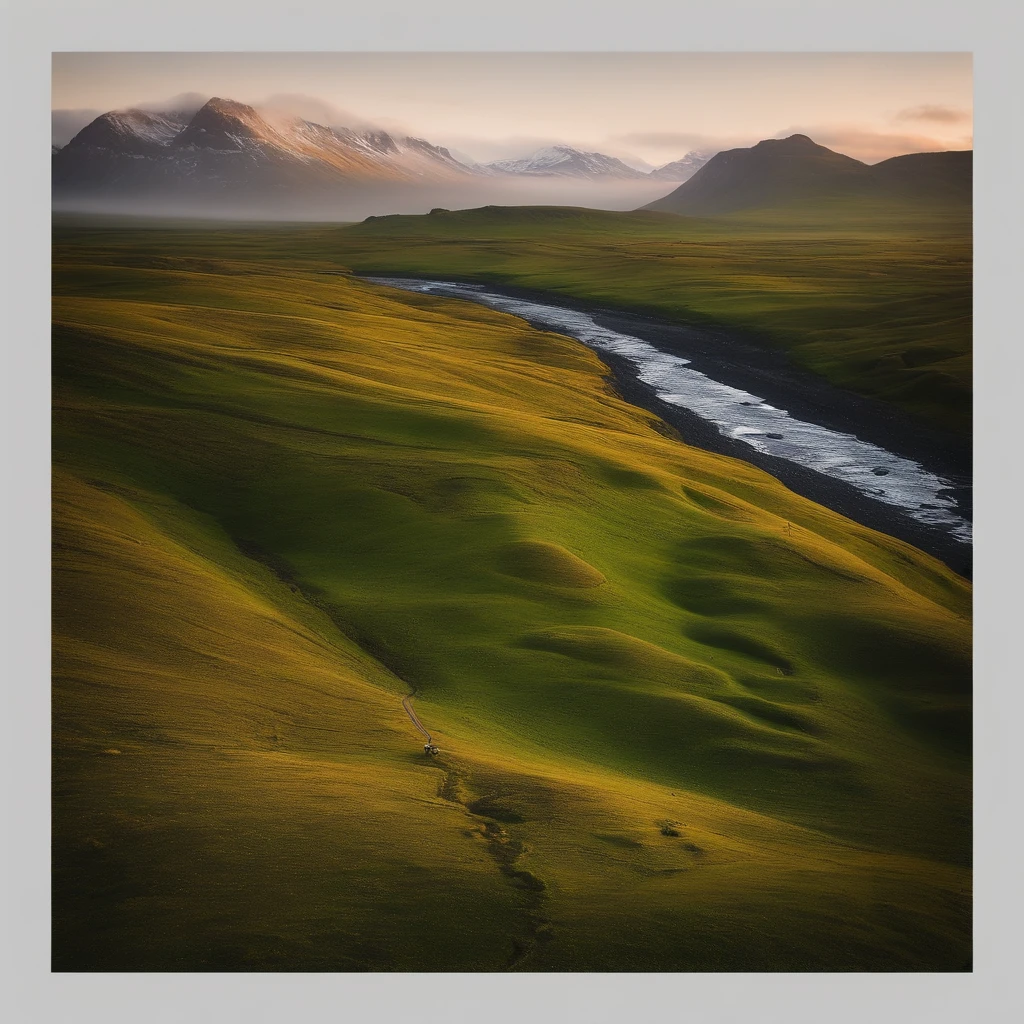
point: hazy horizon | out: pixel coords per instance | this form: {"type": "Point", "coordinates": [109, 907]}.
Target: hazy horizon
{"type": "Point", "coordinates": [646, 109]}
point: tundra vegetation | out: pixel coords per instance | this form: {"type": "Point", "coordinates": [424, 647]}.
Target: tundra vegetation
{"type": "Point", "coordinates": [687, 719]}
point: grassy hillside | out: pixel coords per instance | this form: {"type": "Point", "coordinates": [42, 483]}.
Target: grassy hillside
{"type": "Point", "coordinates": [688, 720]}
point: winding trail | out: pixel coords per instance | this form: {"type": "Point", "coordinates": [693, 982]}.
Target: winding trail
{"type": "Point", "coordinates": [414, 718]}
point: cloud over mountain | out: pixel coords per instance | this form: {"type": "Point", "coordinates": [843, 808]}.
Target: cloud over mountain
{"type": "Point", "coordinates": [936, 114]}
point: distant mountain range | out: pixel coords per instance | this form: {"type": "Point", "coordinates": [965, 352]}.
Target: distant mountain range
{"type": "Point", "coordinates": [564, 161]}
{"type": "Point", "coordinates": [226, 156]}
{"type": "Point", "coordinates": [229, 146]}
{"type": "Point", "coordinates": [228, 150]}
{"type": "Point", "coordinates": [778, 172]}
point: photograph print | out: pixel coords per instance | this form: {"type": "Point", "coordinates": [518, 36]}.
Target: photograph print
{"type": "Point", "coordinates": [511, 512]}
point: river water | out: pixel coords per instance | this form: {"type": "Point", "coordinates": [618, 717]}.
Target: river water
{"type": "Point", "coordinates": [736, 413]}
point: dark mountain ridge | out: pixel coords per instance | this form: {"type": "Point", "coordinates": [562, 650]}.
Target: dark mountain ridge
{"type": "Point", "coordinates": [778, 172]}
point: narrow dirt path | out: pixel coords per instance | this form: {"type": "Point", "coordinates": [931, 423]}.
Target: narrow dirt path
{"type": "Point", "coordinates": [414, 718]}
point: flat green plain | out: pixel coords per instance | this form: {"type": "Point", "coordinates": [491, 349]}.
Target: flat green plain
{"type": "Point", "coordinates": [688, 720]}
{"type": "Point", "coordinates": [875, 296]}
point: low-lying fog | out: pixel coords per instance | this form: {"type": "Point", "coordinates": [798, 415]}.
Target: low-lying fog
{"type": "Point", "coordinates": [358, 202]}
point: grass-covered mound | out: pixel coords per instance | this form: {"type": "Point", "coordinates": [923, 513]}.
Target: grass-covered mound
{"type": "Point", "coordinates": [547, 563]}
{"type": "Point", "coordinates": [675, 734]}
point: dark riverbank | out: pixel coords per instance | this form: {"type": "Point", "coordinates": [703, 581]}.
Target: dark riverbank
{"type": "Point", "coordinates": [735, 359]}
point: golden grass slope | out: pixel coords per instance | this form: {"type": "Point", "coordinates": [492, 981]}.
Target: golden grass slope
{"type": "Point", "coordinates": [675, 735]}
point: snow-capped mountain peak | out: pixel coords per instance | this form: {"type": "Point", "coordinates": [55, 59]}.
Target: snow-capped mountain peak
{"type": "Point", "coordinates": [128, 130]}
{"type": "Point", "coordinates": [682, 169]}
{"type": "Point", "coordinates": [229, 126]}
{"type": "Point", "coordinates": [565, 161]}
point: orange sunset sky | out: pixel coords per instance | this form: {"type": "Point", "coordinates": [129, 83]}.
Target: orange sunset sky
{"type": "Point", "coordinates": [645, 108]}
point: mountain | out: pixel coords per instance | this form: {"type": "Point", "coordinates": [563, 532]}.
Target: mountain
{"type": "Point", "coordinates": [681, 170]}
{"type": "Point", "coordinates": [936, 175]}
{"type": "Point", "coordinates": [128, 131]}
{"type": "Point", "coordinates": [778, 172]}
{"type": "Point", "coordinates": [767, 174]}
{"type": "Point", "coordinates": [564, 161]}
{"type": "Point", "coordinates": [231, 150]}
{"type": "Point", "coordinates": [193, 156]}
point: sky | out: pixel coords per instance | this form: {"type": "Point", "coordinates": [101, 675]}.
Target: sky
{"type": "Point", "coordinates": [647, 108]}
